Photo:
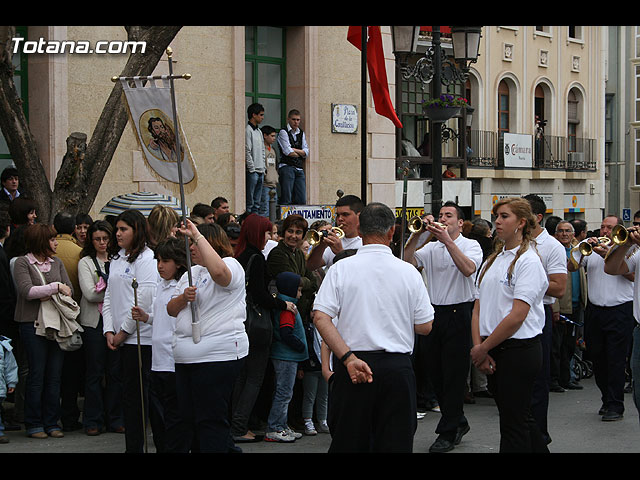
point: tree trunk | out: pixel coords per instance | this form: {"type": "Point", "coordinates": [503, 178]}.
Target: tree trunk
{"type": "Point", "coordinates": [84, 165]}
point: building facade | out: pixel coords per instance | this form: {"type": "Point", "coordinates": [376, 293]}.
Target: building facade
{"type": "Point", "coordinates": [538, 119]}
{"type": "Point", "coordinates": [556, 73]}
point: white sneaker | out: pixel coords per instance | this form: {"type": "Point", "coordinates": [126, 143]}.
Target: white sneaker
{"type": "Point", "coordinates": [293, 433]}
{"type": "Point", "coordinates": [282, 436]}
{"type": "Point", "coordinates": [309, 428]}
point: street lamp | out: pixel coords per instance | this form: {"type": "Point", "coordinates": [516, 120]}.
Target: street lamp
{"type": "Point", "coordinates": [436, 66]}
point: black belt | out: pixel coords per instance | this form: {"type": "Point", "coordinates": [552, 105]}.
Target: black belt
{"type": "Point", "coordinates": [519, 342]}
{"type": "Point", "coordinates": [453, 307]}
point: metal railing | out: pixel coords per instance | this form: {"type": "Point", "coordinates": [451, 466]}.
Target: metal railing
{"type": "Point", "coordinates": [550, 151]}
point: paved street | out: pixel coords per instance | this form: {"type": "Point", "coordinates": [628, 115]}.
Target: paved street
{"type": "Point", "coordinates": [575, 427]}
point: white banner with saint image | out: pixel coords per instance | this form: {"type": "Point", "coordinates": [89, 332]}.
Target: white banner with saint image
{"type": "Point", "coordinates": [151, 115]}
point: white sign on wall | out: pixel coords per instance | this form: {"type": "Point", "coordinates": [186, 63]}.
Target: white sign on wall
{"type": "Point", "coordinates": [344, 118]}
{"type": "Point", "coordinates": [518, 150]}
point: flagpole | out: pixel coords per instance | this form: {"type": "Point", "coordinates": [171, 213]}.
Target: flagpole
{"type": "Point", "coordinates": [195, 324]}
{"type": "Point", "coordinates": [363, 116]}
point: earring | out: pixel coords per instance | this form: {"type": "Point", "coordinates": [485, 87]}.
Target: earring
{"type": "Point", "coordinates": [516, 230]}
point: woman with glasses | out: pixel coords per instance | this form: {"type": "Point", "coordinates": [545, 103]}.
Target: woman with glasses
{"type": "Point", "coordinates": [102, 406]}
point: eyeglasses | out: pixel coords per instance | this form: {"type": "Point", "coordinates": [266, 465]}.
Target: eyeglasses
{"type": "Point", "coordinates": [564, 231]}
{"type": "Point", "coordinates": [636, 224]}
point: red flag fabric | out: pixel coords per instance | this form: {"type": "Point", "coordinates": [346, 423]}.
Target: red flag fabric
{"type": "Point", "coordinates": [377, 71]}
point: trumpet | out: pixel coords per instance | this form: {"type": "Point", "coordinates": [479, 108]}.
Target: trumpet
{"type": "Point", "coordinates": [313, 237]}
{"type": "Point", "coordinates": [416, 224]}
{"type": "Point", "coordinates": [585, 248]}
{"type": "Point", "coordinates": [620, 234]}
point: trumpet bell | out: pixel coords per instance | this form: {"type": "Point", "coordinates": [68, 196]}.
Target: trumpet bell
{"type": "Point", "coordinates": [338, 231]}
{"type": "Point", "coordinates": [313, 237]}
{"type": "Point", "coordinates": [416, 224]}
{"type": "Point", "coordinates": [619, 235]}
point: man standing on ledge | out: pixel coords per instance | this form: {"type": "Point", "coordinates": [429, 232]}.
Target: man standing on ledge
{"type": "Point", "coordinates": [294, 152]}
{"type": "Point", "coordinates": [378, 302]}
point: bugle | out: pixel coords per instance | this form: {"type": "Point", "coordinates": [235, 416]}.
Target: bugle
{"type": "Point", "coordinates": [417, 224]}
{"type": "Point", "coordinates": [313, 237]}
{"type": "Point", "coordinates": [620, 234]}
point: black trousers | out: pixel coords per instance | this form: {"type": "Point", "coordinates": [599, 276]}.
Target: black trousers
{"type": "Point", "coordinates": [518, 364]}
{"type": "Point", "coordinates": [374, 417]}
{"type": "Point", "coordinates": [540, 397]}
{"type": "Point", "coordinates": [448, 364]}
{"type": "Point", "coordinates": [132, 401]}
{"type": "Point", "coordinates": [563, 348]}
{"type": "Point", "coordinates": [607, 334]}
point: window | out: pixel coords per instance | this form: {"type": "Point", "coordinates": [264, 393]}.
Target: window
{"type": "Point", "coordinates": [575, 32]}
{"type": "Point", "coordinates": [637, 156]}
{"type": "Point", "coordinates": [503, 108]}
{"type": "Point", "coordinates": [415, 125]}
{"type": "Point", "coordinates": [265, 72]}
{"type": "Point", "coordinates": [20, 79]}
{"type": "Point", "coordinates": [573, 121]}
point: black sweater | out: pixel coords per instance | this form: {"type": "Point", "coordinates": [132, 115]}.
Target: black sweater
{"type": "Point", "coordinates": [257, 280]}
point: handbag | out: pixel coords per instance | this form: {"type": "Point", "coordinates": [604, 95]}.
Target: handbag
{"type": "Point", "coordinates": [258, 325]}
{"type": "Point", "coordinates": [62, 328]}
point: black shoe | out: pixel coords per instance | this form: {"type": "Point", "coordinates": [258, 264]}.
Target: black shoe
{"type": "Point", "coordinates": [556, 388]}
{"type": "Point", "coordinates": [628, 388]}
{"type": "Point", "coordinates": [461, 432]}
{"type": "Point", "coordinates": [612, 417]}
{"type": "Point", "coordinates": [602, 410]}
{"type": "Point", "coordinates": [483, 394]}
{"type": "Point", "coordinates": [441, 445]}
{"type": "Point", "coordinates": [573, 386]}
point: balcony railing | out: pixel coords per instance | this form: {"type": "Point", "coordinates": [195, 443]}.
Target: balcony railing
{"type": "Point", "coordinates": [550, 151]}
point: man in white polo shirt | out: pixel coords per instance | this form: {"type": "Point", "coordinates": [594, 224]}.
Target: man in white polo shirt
{"type": "Point", "coordinates": [378, 302]}
{"type": "Point", "coordinates": [609, 319]}
{"type": "Point", "coordinates": [450, 265]}
{"type": "Point", "coordinates": [554, 261]}
{"type": "Point", "coordinates": [347, 210]}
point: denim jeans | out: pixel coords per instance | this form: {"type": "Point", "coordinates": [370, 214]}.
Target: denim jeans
{"type": "Point", "coordinates": [102, 406]}
{"type": "Point", "coordinates": [264, 204]}
{"type": "Point", "coordinates": [635, 366]}
{"type": "Point", "coordinates": [315, 394]}
{"type": "Point", "coordinates": [254, 191]}
{"type": "Point", "coordinates": [293, 188]}
{"type": "Point", "coordinates": [42, 394]}
{"type": "Point", "coordinates": [285, 373]}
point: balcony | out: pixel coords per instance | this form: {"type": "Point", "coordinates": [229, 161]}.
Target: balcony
{"type": "Point", "coordinates": [550, 152]}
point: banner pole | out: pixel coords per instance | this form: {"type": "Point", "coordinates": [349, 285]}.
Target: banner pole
{"type": "Point", "coordinates": [195, 324]}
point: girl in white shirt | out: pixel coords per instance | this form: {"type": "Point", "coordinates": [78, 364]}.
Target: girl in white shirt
{"type": "Point", "coordinates": [206, 371]}
{"type": "Point", "coordinates": [172, 264]}
{"type": "Point", "coordinates": [507, 322]}
{"type": "Point", "coordinates": [131, 258]}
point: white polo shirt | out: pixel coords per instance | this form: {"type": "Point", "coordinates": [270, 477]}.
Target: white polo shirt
{"type": "Point", "coordinates": [632, 263]}
{"type": "Point", "coordinates": [496, 294]}
{"type": "Point", "coordinates": [605, 290]}
{"type": "Point", "coordinates": [445, 282]}
{"type": "Point", "coordinates": [375, 299]}
{"type": "Point", "coordinates": [119, 297]}
{"type": "Point", "coordinates": [553, 256]}
{"type": "Point", "coordinates": [163, 327]}
{"type": "Point", "coordinates": [221, 311]}
{"type": "Point", "coordinates": [347, 243]}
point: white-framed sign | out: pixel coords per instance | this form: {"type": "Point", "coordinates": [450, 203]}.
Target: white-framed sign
{"type": "Point", "coordinates": [518, 150]}
{"type": "Point", "coordinates": [344, 118]}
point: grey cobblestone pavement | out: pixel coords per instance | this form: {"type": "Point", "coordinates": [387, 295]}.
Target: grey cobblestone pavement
{"type": "Point", "coordinates": [575, 427]}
